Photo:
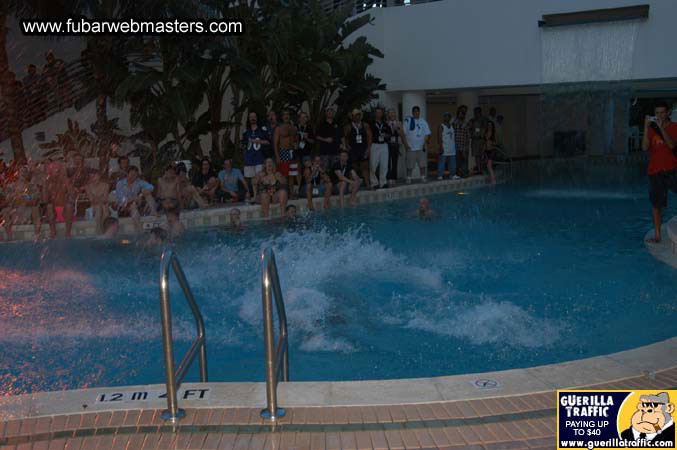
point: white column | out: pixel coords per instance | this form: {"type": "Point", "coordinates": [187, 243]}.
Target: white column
{"type": "Point", "coordinates": [471, 100]}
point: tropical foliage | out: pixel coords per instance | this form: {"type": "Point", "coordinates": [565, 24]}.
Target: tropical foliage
{"type": "Point", "coordinates": [181, 89]}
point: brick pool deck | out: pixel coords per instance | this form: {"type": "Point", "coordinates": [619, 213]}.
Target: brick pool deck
{"type": "Point", "coordinates": [519, 414]}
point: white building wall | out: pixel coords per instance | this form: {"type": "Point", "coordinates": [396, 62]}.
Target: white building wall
{"type": "Point", "coordinates": [454, 44]}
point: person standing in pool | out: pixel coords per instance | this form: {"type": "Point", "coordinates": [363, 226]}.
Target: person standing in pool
{"type": "Point", "coordinates": [424, 211]}
{"type": "Point", "coordinates": [660, 139]}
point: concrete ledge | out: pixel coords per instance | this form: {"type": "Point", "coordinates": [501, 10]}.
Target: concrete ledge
{"type": "Point", "coordinates": [211, 217]}
{"type": "Point", "coordinates": [666, 250]}
{"type": "Point", "coordinates": [639, 362]}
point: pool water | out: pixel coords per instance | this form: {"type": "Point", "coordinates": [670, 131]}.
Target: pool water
{"type": "Point", "coordinates": [540, 271]}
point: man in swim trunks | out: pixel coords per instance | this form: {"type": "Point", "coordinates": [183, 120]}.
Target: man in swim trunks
{"type": "Point", "coordinates": [284, 143]}
{"type": "Point", "coordinates": [97, 192]}
{"type": "Point", "coordinates": [167, 194]}
{"type": "Point", "coordinates": [189, 197]}
{"type": "Point", "coordinates": [59, 196]}
{"type": "Point", "coordinates": [254, 139]}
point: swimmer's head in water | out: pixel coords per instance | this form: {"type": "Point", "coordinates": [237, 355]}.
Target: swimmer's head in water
{"type": "Point", "coordinates": [172, 213]}
{"type": "Point", "coordinates": [290, 212]}
{"type": "Point", "coordinates": [423, 204]}
{"type": "Point", "coordinates": [111, 226]}
{"type": "Point", "coordinates": [158, 235]}
{"type": "Point", "coordinates": [235, 216]}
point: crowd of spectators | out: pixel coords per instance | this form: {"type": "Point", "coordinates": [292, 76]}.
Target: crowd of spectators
{"type": "Point", "coordinates": [282, 161]}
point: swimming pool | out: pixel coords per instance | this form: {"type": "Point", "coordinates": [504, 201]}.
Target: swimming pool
{"type": "Point", "coordinates": [539, 271]}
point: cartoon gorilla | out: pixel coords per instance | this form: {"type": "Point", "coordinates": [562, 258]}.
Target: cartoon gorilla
{"type": "Point", "coordinates": [652, 420]}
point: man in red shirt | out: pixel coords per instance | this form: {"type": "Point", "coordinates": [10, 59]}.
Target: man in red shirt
{"type": "Point", "coordinates": [660, 137]}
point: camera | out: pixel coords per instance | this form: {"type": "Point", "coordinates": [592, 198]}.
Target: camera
{"type": "Point", "coordinates": [652, 119]}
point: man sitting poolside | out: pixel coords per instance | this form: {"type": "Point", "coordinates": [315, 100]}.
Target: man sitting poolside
{"type": "Point", "coordinates": [134, 197]}
{"type": "Point", "coordinates": [230, 179]}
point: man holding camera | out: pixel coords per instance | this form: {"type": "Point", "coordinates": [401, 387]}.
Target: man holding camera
{"type": "Point", "coordinates": [660, 136]}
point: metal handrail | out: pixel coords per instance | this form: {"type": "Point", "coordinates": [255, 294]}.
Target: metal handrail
{"type": "Point", "coordinates": [173, 378]}
{"type": "Point", "coordinates": [276, 358]}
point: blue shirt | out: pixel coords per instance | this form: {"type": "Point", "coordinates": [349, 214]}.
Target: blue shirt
{"type": "Point", "coordinates": [253, 156]}
{"type": "Point", "coordinates": [229, 181]}
{"type": "Point", "coordinates": [126, 193]}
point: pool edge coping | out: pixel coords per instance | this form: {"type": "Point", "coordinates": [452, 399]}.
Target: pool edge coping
{"type": "Point", "coordinates": [638, 362]}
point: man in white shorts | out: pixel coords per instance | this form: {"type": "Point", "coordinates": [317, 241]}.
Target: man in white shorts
{"type": "Point", "coordinates": [417, 135]}
{"type": "Point", "coordinates": [253, 139]}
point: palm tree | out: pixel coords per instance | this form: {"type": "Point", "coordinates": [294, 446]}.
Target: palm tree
{"type": "Point", "coordinates": [8, 91]}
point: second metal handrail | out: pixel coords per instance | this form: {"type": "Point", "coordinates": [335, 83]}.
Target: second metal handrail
{"type": "Point", "coordinates": [276, 358]}
{"type": "Point", "coordinates": [174, 378]}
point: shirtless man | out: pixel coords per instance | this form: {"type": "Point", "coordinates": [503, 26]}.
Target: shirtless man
{"type": "Point", "coordinates": [167, 194]}
{"type": "Point", "coordinates": [23, 203]}
{"type": "Point", "coordinates": [97, 191]}
{"type": "Point", "coordinates": [235, 224]}
{"type": "Point", "coordinates": [284, 143]}
{"type": "Point", "coordinates": [424, 211]}
{"type": "Point", "coordinates": [58, 195]}
{"type": "Point", "coordinates": [174, 225]}
{"type": "Point", "coordinates": [187, 192]}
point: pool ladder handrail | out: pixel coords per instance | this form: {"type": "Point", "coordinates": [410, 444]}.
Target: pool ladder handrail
{"type": "Point", "coordinates": [276, 359]}
{"type": "Point", "coordinates": [174, 378]}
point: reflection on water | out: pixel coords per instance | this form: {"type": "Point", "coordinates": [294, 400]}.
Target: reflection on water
{"type": "Point", "coordinates": [503, 278]}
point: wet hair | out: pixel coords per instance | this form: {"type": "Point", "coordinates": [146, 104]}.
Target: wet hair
{"type": "Point", "coordinates": [172, 211]}
{"type": "Point", "coordinates": [661, 104]}
{"type": "Point", "coordinates": [159, 233]}
{"type": "Point", "coordinates": [181, 167]}
{"type": "Point", "coordinates": [109, 222]}
{"type": "Point", "coordinates": [289, 207]}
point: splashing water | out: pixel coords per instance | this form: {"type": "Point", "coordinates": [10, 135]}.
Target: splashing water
{"type": "Point", "coordinates": [495, 282]}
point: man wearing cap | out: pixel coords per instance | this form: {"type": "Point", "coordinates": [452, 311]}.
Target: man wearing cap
{"type": "Point", "coordinates": [653, 420]}
{"type": "Point", "coordinates": [447, 145]}
{"type": "Point", "coordinates": [378, 161]}
{"type": "Point", "coordinates": [357, 140]}
{"type": "Point", "coordinates": [417, 135]}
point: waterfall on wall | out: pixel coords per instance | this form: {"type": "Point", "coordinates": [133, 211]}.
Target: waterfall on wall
{"type": "Point", "coordinates": [585, 91]}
